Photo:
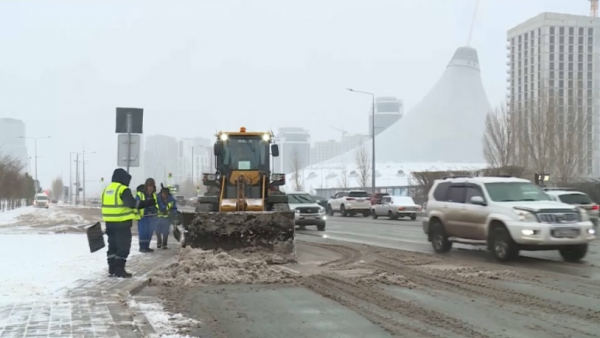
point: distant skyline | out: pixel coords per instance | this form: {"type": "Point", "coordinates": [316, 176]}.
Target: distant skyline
{"type": "Point", "coordinates": [196, 67]}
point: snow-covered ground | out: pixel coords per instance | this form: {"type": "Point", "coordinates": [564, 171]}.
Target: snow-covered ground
{"type": "Point", "coordinates": [40, 267]}
{"type": "Point", "coordinates": [166, 325]}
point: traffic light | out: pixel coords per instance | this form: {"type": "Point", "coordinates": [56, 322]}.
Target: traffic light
{"type": "Point", "coordinates": [170, 175]}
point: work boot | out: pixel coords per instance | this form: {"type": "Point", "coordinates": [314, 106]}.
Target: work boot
{"type": "Point", "coordinates": [164, 244]}
{"type": "Point", "coordinates": [120, 270]}
{"type": "Point", "coordinates": [111, 268]}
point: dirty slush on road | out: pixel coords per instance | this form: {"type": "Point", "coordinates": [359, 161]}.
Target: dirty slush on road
{"type": "Point", "coordinates": [404, 294]}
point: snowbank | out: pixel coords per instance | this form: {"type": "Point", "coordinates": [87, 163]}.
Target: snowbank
{"type": "Point", "coordinates": [196, 266]}
{"type": "Point", "coordinates": [36, 266]}
{"type": "Point", "coordinates": [11, 216]}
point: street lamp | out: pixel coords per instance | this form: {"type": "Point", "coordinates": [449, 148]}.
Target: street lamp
{"type": "Point", "coordinates": [37, 183]}
{"type": "Point", "coordinates": [373, 177]}
{"type": "Point", "coordinates": [83, 165]}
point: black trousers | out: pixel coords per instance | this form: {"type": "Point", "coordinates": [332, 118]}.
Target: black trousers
{"type": "Point", "coordinates": [119, 240]}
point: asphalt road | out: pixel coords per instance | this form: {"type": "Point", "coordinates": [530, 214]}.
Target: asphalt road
{"type": "Point", "coordinates": [408, 235]}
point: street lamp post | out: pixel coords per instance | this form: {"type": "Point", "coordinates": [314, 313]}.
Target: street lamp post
{"type": "Point", "coordinates": [37, 183]}
{"type": "Point", "coordinates": [373, 178]}
{"type": "Point", "coordinates": [83, 165]}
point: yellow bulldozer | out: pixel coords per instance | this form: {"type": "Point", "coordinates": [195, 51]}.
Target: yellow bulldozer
{"type": "Point", "coordinates": [243, 206]}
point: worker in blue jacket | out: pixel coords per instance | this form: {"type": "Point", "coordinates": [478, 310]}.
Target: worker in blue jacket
{"type": "Point", "coordinates": [166, 212]}
{"type": "Point", "coordinates": [147, 219]}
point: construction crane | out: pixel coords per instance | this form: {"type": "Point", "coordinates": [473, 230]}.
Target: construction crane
{"type": "Point", "coordinates": [344, 131]}
{"type": "Point", "coordinates": [594, 8]}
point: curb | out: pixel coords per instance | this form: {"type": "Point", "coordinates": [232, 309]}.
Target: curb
{"type": "Point", "coordinates": [138, 286]}
{"type": "Point", "coordinates": [146, 279]}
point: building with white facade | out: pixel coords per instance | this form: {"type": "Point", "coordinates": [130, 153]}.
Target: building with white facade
{"type": "Point", "coordinates": [294, 149]}
{"type": "Point", "coordinates": [557, 55]}
{"type": "Point", "coordinates": [13, 142]}
{"type": "Point", "coordinates": [388, 110]}
{"type": "Point", "coordinates": [160, 158]}
{"type": "Point", "coordinates": [195, 157]}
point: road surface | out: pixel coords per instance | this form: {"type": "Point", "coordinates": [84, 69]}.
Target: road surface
{"type": "Point", "coordinates": [344, 288]}
{"type": "Point", "coordinates": [408, 235]}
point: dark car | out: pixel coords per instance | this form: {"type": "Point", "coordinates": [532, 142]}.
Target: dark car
{"type": "Point", "coordinates": [180, 199]}
{"type": "Point", "coordinates": [322, 201]}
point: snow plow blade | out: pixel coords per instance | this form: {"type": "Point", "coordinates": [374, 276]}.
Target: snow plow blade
{"type": "Point", "coordinates": [273, 230]}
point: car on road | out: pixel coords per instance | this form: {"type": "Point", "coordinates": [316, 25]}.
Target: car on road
{"type": "Point", "coordinates": [41, 201]}
{"type": "Point", "coordinates": [350, 203]}
{"type": "Point", "coordinates": [308, 212]}
{"type": "Point", "coordinates": [395, 207]}
{"type": "Point", "coordinates": [180, 200]}
{"type": "Point", "coordinates": [506, 214]}
{"type": "Point", "coordinates": [577, 198]}
{"type": "Point", "coordinates": [322, 201]}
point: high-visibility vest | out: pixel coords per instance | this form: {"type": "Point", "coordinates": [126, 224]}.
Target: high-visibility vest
{"type": "Point", "coordinates": [138, 212]}
{"type": "Point", "coordinates": [167, 212]}
{"type": "Point", "coordinates": [113, 208]}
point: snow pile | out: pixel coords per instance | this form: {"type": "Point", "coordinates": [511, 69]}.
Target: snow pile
{"type": "Point", "coordinates": [195, 266]}
{"type": "Point", "coordinates": [164, 323]}
{"type": "Point", "coordinates": [50, 217]}
{"type": "Point", "coordinates": [11, 216]}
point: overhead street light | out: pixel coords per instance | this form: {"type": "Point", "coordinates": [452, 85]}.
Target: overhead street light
{"type": "Point", "coordinates": [37, 183]}
{"type": "Point", "coordinates": [373, 177]}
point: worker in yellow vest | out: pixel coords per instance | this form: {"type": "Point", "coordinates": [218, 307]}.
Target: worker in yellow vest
{"type": "Point", "coordinates": [118, 205]}
{"type": "Point", "coordinates": [148, 217]}
{"type": "Point", "coordinates": [167, 207]}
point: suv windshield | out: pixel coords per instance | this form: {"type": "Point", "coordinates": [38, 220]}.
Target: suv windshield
{"type": "Point", "coordinates": [575, 199]}
{"type": "Point", "coordinates": [515, 192]}
{"type": "Point", "coordinates": [358, 194]}
{"type": "Point", "coordinates": [42, 198]}
{"type": "Point", "coordinates": [300, 198]}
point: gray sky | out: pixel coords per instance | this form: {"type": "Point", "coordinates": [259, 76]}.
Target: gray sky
{"type": "Point", "coordinates": [199, 66]}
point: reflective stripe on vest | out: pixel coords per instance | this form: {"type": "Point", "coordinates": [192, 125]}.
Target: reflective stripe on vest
{"type": "Point", "coordinates": [166, 213]}
{"type": "Point", "coordinates": [113, 208]}
{"type": "Point", "coordinates": [136, 212]}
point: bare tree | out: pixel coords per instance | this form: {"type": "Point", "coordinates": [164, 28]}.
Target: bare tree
{"type": "Point", "coordinates": [57, 187]}
{"type": "Point", "coordinates": [297, 174]}
{"type": "Point", "coordinates": [572, 137]}
{"type": "Point", "coordinates": [344, 179]}
{"type": "Point", "coordinates": [363, 165]}
{"type": "Point", "coordinates": [16, 187]}
{"type": "Point", "coordinates": [537, 128]}
{"type": "Point", "coordinates": [499, 139]}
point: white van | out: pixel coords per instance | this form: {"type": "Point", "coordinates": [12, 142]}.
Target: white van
{"type": "Point", "coordinates": [41, 201]}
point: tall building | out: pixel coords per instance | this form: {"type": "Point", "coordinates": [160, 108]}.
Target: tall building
{"type": "Point", "coordinates": [13, 142]}
{"type": "Point", "coordinates": [294, 149]}
{"type": "Point", "coordinates": [194, 159]}
{"type": "Point", "coordinates": [557, 56]}
{"type": "Point", "coordinates": [324, 150]}
{"type": "Point", "coordinates": [160, 158]}
{"type": "Point", "coordinates": [388, 110]}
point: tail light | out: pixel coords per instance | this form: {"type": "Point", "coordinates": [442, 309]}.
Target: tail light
{"type": "Point", "coordinates": [401, 208]}
{"type": "Point", "coordinates": [350, 199]}
{"type": "Point", "coordinates": [595, 207]}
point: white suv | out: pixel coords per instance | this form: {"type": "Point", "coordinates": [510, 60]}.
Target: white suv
{"type": "Point", "coordinates": [350, 203]}
{"type": "Point", "coordinates": [505, 213]}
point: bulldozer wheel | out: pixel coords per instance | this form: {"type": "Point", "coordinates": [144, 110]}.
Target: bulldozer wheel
{"type": "Point", "coordinates": [204, 207]}
{"type": "Point", "coordinates": [281, 207]}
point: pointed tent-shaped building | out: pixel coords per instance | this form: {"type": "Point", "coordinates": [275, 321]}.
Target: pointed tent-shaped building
{"type": "Point", "coordinates": [446, 126]}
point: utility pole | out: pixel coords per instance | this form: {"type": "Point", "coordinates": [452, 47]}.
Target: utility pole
{"type": "Point", "coordinates": [373, 171]}
{"type": "Point", "coordinates": [70, 177]}
{"type": "Point", "coordinates": [83, 167]}
{"type": "Point", "coordinates": [37, 183]}
{"type": "Point", "coordinates": [193, 178]}
{"type": "Point", "coordinates": [77, 179]}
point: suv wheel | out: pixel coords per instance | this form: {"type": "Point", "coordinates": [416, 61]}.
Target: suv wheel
{"type": "Point", "coordinates": [373, 214]}
{"type": "Point", "coordinates": [573, 253]}
{"type": "Point", "coordinates": [502, 245]}
{"type": "Point", "coordinates": [343, 210]}
{"type": "Point", "coordinates": [321, 226]}
{"type": "Point", "coordinates": [439, 239]}
{"type": "Point", "coordinates": [365, 214]}
{"type": "Point", "coordinates": [329, 210]}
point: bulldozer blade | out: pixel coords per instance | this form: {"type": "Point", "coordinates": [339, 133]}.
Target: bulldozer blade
{"type": "Point", "coordinates": [273, 230]}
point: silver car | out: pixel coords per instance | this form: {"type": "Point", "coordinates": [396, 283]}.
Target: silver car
{"type": "Point", "coordinates": [308, 212]}
{"type": "Point", "coordinates": [395, 207]}
{"type": "Point", "coordinates": [576, 198]}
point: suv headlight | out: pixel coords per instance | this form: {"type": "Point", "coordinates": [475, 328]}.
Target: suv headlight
{"type": "Point", "coordinates": [584, 215]}
{"type": "Point", "coordinates": [321, 210]}
{"type": "Point", "coordinates": [297, 211]}
{"type": "Point", "coordinates": [526, 216]}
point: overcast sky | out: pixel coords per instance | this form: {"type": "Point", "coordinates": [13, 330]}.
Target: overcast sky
{"type": "Point", "coordinates": [198, 66]}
